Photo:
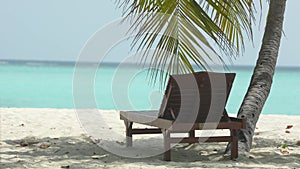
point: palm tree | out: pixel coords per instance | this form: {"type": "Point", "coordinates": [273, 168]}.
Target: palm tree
{"type": "Point", "coordinates": [181, 32]}
{"type": "Point", "coordinates": [262, 76]}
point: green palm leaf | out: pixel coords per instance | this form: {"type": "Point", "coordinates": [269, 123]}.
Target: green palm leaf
{"type": "Point", "coordinates": [181, 31]}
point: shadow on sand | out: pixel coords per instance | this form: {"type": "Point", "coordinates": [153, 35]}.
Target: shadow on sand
{"type": "Point", "coordinates": [82, 152]}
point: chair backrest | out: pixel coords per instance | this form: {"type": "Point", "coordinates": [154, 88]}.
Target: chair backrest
{"type": "Point", "coordinates": [197, 97]}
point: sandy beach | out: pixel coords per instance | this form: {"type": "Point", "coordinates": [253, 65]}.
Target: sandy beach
{"type": "Point", "coordinates": [54, 138]}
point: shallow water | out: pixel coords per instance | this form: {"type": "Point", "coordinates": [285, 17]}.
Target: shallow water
{"type": "Point", "coordinates": [50, 85]}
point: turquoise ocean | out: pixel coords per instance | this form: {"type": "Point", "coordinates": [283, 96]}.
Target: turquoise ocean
{"type": "Point", "coordinates": [32, 84]}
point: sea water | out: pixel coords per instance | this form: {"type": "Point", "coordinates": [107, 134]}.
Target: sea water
{"type": "Point", "coordinates": [29, 84]}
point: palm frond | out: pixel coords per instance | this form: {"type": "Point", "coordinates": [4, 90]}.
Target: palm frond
{"type": "Point", "coordinates": [181, 31]}
{"type": "Point", "coordinates": [234, 17]}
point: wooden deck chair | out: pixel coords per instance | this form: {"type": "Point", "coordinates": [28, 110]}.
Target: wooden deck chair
{"type": "Point", "coordinates": [191, 102]}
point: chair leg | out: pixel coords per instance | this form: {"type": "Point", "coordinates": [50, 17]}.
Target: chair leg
{"type": "Point", "coordinates": [128, 126]}
{"type": "Point", "coordinates": [167, 145]}
{"type": "Point", "coordinates": [234, 144]}
{"type": "Point", "coordinates": [192, 133]}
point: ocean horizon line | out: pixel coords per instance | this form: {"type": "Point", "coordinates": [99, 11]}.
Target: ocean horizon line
{"type": "Point", "coordinates": [110, 64]}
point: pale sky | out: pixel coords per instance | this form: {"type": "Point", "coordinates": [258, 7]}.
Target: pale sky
{"type": "Point", "coordinates": [58, 29]}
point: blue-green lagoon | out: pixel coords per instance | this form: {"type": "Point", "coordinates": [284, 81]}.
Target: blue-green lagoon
{"type": "Point", "coordinates": [28, 84]}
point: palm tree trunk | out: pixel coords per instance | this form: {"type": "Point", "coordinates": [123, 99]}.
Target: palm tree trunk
{"type": "Point", "coordinates": [262, 77]}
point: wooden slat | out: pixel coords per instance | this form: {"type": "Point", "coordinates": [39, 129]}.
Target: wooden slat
{"type": "Point", "coordinates": [146, 117]}
{"type": "Point", "coordinates": [200, 139]}
{"type": "Point", "coordinates": [146, 131]}
{"type": "Point", "coordinates": [206, 126]}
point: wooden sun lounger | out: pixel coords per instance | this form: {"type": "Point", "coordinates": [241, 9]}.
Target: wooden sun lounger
{"type": "Point", "coordinates": [191, 102]}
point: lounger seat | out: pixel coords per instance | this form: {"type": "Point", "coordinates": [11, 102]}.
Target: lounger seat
{"type": "Point", "coordinates": [191, 102]}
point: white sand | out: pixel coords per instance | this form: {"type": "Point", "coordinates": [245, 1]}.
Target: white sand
{"type": "Point", "coordinates": [54, 138]}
